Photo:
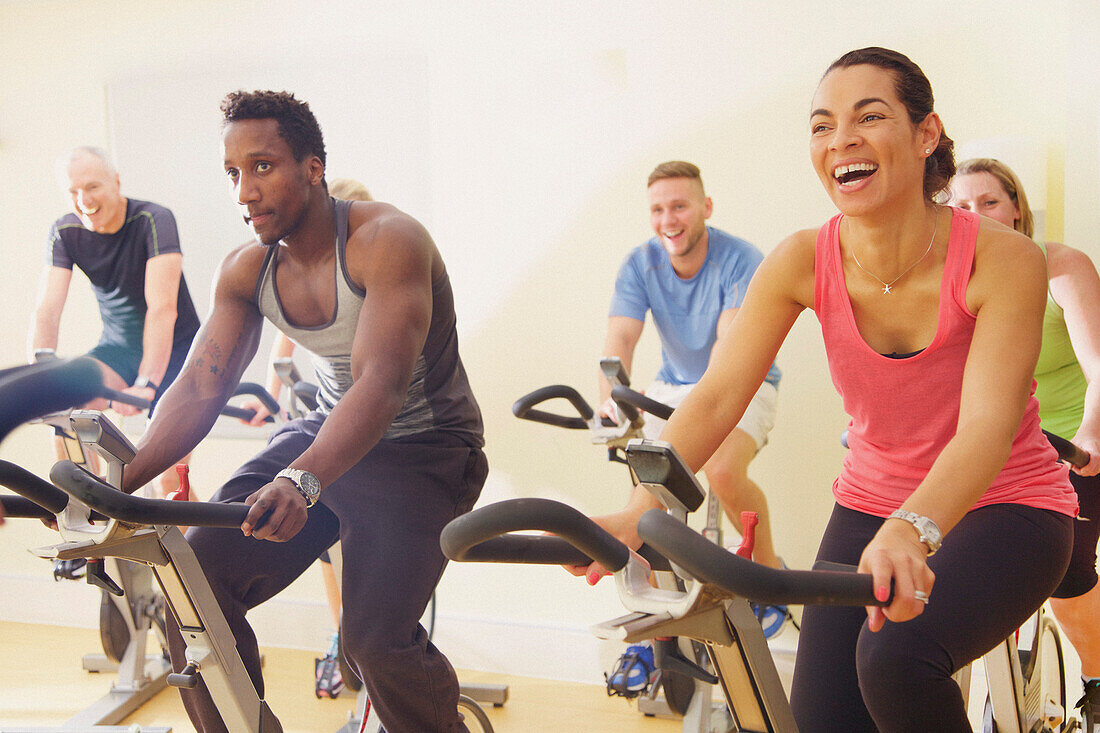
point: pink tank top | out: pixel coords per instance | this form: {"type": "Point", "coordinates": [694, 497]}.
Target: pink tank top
{"type": "Point", "coordinates": [904, 411]}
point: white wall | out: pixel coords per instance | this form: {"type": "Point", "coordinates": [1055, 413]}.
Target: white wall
{"type": "Point", "coordinates": [520, 133]}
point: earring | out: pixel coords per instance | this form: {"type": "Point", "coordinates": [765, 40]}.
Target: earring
{"type": "Point", "coordinates": [928, 151]}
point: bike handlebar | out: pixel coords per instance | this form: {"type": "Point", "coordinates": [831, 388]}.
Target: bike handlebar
{"type": "Point", "coordinates": [35, 390]}
{"type": "Point", "coordinates": [249, 388]}
{"type": "Point", "coordinates": [131, 509]}
{"type": "Point", "coordinates": [482, 536]}
{"type": "Point", "coordinates": [1067, 451]}
{"type": "Point", "coordinates": [711, 563]}
{"type": "Point", "coordinates": [626, 397]}
{"type": "Point", "coordinates": [523, 408]}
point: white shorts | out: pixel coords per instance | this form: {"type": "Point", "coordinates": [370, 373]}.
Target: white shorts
{"type": "Point", "coordinates": [757, 422]}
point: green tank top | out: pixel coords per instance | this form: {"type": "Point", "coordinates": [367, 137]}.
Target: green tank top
{"type": "Point", "coordinates": [1061, 383]}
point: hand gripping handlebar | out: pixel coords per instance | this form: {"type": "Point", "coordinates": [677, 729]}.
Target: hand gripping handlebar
{"type": "Point", "coordinates": [1067, 451]}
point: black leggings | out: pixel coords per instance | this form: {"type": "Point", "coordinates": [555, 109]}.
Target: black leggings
{"type": "Point", "coordinates": [994, 569]}
{"type": "Point", "coordinates": [1081, 576]}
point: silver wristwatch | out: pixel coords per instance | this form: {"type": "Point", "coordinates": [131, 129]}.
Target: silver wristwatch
{"type": "Point", "coordinates": [927, 530]}
{"type": "Point", "coordinates": [306, 483]}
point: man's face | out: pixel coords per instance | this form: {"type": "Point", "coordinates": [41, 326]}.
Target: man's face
{"type": "Point", "coordinates": [268, 182]}
{"type": "Point", "coordinates": [678, 213]}
{"type": "Point", "coordinates": [94, 190]}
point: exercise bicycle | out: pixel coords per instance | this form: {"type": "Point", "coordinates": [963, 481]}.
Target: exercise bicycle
{"type": "Point", "coordinates": [675, 690]}
{"type": "Point", "coordinates": [1026, 683]}
{"type": "Point", "coordinates": [130, 606]}
{"type": "Point", "coordinates": [713, 609]}
{"type": "Point", "coordinates": [303, 399]}
{"type": "Point", "coordinates": [136, 529]}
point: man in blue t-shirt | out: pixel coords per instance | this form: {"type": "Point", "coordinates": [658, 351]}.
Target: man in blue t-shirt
{"type": "Point", "coordinates": [130, 251]}
{"type": "Point", "coordinates": [692, 279]}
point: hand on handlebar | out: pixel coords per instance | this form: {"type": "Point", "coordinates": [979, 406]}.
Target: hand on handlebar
{"type": "Point", "coordinates": [610, 410]}
{"type": "Point", "coordinates": [142, 393]}
{"type": "Point", "coordinates": [262, 413]}
{"type": "Point", "coordinates": [1092, 447]}
{"type": "Point", "coordinates": [623, 525]}
{"type": "Point", "coordinates": [277, 513]}
{"type": "Point", "coordinates": [895, 553]}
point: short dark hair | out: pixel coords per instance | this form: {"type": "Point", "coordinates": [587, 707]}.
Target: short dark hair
{"type": "Point", "coordinates": [297, 125]}
{"type": "Point", "coordinates": [915, 92]}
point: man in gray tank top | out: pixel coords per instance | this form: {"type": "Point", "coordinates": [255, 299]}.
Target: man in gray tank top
{"type": "Point", "coordinates": [392, 455]}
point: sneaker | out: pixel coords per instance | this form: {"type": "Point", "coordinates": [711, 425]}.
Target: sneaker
{"type": "Point", "coordinates": [1089, 705]}
{"type": "Point", "coordinates": [633, 673]}
{"type": "Point", "coordinates": [73, 569]}
{"type": "Point", "coordinates": [328, 682]}
{"type": "Point", "coordinates": [772, 619]}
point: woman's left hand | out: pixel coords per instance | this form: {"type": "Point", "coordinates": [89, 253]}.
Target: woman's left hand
{"type": "Point", "coordinates": [897, 555]}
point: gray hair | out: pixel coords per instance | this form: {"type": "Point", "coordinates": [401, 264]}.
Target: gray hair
{"type": "Point", "coordinates": [61, 167]}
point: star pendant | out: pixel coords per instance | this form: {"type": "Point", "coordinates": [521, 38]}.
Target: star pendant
{"type": "Point", "coordinates": [886, 290]}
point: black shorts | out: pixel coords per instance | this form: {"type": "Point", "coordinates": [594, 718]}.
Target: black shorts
{"type": "Point", "coordinates": [126, 361]}
{"type": "Point", "coordinates": [1081, 576]}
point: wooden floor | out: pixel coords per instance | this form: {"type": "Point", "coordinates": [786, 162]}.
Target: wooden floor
{"type": "Point", "coordinates": [42, 684]}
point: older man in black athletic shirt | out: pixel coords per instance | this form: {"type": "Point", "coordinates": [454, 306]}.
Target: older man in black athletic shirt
{"type": "Point", "coordinates": [130, 251]}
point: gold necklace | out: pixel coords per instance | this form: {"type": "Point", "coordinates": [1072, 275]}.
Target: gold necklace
{"type": "Point", "coordinates": [887, 287]}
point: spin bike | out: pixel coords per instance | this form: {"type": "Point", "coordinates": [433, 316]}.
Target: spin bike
{"type": "Point", "coordinates": [303, 399]}
{"type": "Point", "coordinates": [1026, 673]}
{"type": "Point", "coordinates": [712, 609]}
{"type": "Point", "coordinates": [96, 521]}
{"type": "Point", "coordinates": [130, 606]}
{"type": "Point", "coordinates": [676, 690]}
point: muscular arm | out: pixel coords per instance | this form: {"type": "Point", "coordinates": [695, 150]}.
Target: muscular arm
{"type": "Point", "coordinates": [53, 289]}
{"type": "Point", "coordinates": [162, 281]}
{"type": "Point", "coordinates": [396, 268]}
{"type": "Point", "coordinates": [1076, 288]}
{"type": "Point", "coordinates": [222, 349]}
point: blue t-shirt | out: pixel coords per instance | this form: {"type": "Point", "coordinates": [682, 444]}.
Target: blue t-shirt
{"type": "Point", "coordinates": [686, 312]}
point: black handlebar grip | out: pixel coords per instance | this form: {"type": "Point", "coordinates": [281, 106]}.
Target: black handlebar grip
{"type": "Point", "coordinates": [626, 396]}
{"type": "Point", "coordinates": [35, 489]}
{"type": "Point", "coordinates": [482, 535]}
{"type": "Point", "coordinates": [124, 398]}
{"type": "Point", "coordinates": [524, 407]}
{"type": "Point", "coordinates": [711, 563]}
{"type": "Point", "coordinates": [1067, 451]}
{"type": "Point", "coordinates": [23, 508]}
{"type": "Point", "coordinates": [116, 504]}
{"type": "Point", "coordinates": [34, 390]}
{"type": "Point", "coordinates": [265, 397]}
{"type": "Point", "coordinates": [229, 410]}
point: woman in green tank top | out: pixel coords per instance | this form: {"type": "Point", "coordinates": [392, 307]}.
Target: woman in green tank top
{"type": "Point", "coordinates": [1068, 392]}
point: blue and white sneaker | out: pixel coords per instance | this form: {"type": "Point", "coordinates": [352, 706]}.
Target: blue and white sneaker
{"type": "Point", "coordinates": [772, 619]}
{"type": "Point", "coordinates": [633, 673]}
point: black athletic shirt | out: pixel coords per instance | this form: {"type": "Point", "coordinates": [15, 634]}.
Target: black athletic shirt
{"type": "Point", "coordinates": [115, 265]}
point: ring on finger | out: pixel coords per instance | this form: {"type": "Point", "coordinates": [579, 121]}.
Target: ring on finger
{"type": "Point", "coordinates": [920, 596]}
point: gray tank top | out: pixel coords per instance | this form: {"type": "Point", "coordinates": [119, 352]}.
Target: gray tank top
{"type": "Point", "coordinates": [439, 396]}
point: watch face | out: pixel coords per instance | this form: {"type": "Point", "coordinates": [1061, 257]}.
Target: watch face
{"type": "Point", "coordinates": [310, 484]}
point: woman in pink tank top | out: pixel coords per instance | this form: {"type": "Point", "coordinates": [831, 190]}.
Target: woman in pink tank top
{"type": "Point", "coordinates": [931, 319]}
